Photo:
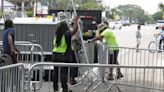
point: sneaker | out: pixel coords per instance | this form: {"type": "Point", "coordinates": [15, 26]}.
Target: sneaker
{"type": "Point", "coordinates": [119, 75]}
{"type": "Point", "coordinates": [110, 77]}
{"type": "Point", "coordinates": [66, 90]}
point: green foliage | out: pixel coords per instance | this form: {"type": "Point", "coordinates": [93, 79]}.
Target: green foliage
{"type": "Point", "coordinates": [29, 13]}
{"type": "Point", "coordinates": [157, 16]}
{"type": "Point", "coordinates": [148, 19]}
{"type": "Point", "coordinates": [112, 14]}
{"type": "Point", "coordinates": [161, 6]}
{"type": "Point", "coordinates": [91, 5]}
{"type": "Point", "coordinates": [80, 4]}
{"type": "Point", "coordinates": [131, 12]}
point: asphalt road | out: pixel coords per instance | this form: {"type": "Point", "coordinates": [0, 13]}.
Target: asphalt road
{"type": "Point", "coordinates": [126, 36]}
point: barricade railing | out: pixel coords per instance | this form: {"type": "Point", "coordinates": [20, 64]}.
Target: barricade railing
{"type": "Point", "coordinates": [89, 52]}
{"type": "Point", "coordinates": [130, 56]}
{"type": "Point", "coordinates": [19, 42]}
{"type": "Point", "coordinates": [135, 78]}
{"type": "Point", "coordinates": [12, 78]}
{"type": "Point", "coordinates": [28, 53]}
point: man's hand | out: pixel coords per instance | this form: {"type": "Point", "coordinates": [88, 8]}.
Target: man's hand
{"type": "Point", "coordinates": [75, 25]}
{"type": "Point", "coordinates": [13, 55]}
{"type": "Point", "coordinates": [90, 40]}
{"type": "Point", "coordinates": [75, 18]}
{"type": "Point", "coordinates": [13, 50]}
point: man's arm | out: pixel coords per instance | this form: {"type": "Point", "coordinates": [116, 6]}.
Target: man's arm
{"type": "Point", "coordinates": [75, 26]}
{"type": "Point", "coordinates": [97, 38]}
{"type": "Point", "coordinates": [13, 51]}
{"type": "Point", "coordinates": [10, 41]}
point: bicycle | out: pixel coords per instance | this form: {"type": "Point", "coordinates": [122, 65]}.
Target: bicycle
{"type": "Point", "coordinates": [153, 45]}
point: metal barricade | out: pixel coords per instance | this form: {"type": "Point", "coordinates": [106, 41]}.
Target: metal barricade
{"type": "Point", "coordinates": [16, 42]}
{"type": "Point", "coordinates": [129, 56]}
{"type": "Point", "coordinates": [12, 78]}
{"type": "Point", "coordinates": [28, 53]}
{"type": "Point", "coordinates": [19, 42]}
{"type": "Point", "coordinates": [126, 57]}
{"type": "Point", "coordinates": [87, 71]}
{"type": "Point", "coordinates": [89, 51]}
{"type": "Point", "coordinates": [136, 78]}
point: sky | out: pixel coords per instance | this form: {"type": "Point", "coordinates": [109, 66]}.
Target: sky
{"type": "Point", "coordinates": [150, 6]}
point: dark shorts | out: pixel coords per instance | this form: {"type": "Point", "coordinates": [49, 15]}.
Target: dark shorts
{"type": "Point", "coordinates": [112, 58]}
{"type": "Point", "coordinates": [58, 57]}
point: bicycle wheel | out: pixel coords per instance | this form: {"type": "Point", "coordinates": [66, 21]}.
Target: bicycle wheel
{"type": "Point", "coordinates": [152, 46]}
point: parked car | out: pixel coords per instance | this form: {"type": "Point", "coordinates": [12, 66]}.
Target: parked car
{"type": "Point", "coordinates": [125, 23]}
{"type": "Point", "coordinates": [159, 23]}
{"type": "Point", "coordinates": [141, 23]}
{"type": "Point", "coordinates": [115, 25]}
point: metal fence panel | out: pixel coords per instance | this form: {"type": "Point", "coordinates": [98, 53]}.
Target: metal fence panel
{"type": "Point", "coordinates": [28, 53]}
{"type": "Point", "coordinates": [136, 78]}
{"type": "Point", "coordinates": [89, 51]}
{"type": "Point", "coordinates": [12, 78]}
{"type": "Point", "coordinates": [129, 56]}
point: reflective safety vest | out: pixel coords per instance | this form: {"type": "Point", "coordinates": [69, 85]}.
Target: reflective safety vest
{"type": "Point", "coordinates": [62, 47]}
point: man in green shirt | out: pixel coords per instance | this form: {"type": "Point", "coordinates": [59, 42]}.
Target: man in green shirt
{"type": "Point", "coordinates": [107, 36]}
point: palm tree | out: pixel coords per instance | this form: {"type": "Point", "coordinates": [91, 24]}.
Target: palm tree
{"type": "Point", "coordinates": [32, 3]}
{"type": "Point", "coordinates": [161, 6]}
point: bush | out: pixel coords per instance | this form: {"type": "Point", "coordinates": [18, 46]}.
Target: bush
{"type": "Point", "coordinates": [29, 13]}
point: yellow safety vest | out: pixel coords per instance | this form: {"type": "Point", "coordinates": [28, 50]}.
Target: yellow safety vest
{"type": "Point", "coordinates": [63, 46]}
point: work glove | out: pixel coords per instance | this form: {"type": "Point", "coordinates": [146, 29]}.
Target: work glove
{"type": "Point", "coordinates": [90, 40]}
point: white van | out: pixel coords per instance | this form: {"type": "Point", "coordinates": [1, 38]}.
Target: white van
{"type": "Point", "coordinates": [115, 25]}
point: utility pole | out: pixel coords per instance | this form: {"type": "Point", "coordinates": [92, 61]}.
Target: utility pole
{"type": "Point", "coordinates": [2, 6]}
{"type": "Point", "coordinates": [50, 5]}
{"type": "Point", "coordinates": [33, 11]}
{"type": "Point", "coordinates": [23, 11]}
{"type": "Point", "coordinates": [15, 3]}
{"type": "Point", "coordinates": [81, 4]}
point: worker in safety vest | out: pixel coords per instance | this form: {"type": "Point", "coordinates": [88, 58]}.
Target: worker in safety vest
{"type": "Point", "coordinates": [62, 52]}
{"type": "Point", "coordinates": [107, 36]}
